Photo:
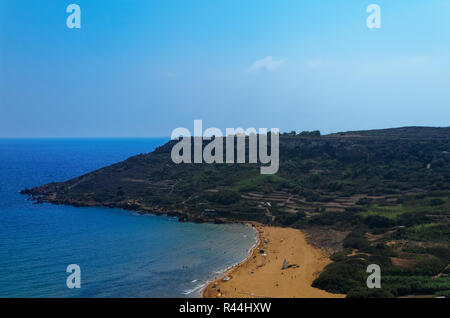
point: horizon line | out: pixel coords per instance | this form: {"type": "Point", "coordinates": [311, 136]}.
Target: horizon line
{"type": "Point", "coordinates": [168, 137]}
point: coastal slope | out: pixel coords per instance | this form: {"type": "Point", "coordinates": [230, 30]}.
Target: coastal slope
{"type": "Point", "coordinates": [366, 197]}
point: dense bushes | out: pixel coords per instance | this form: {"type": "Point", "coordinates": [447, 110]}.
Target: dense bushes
{"type": "Point", "coordinates": [370, 293]}
{"type": "Point", "coordinates": [314, 133]}
{"type": "Point", "coordinates": [380, 249]}
{"type": "Point", "coordinates": [287, 219]}
{"type": "Point", "coordinates": [341, 277]}
{"type": "Point", "coordinates": [333, 218]}
{"type": "Point", "coordinates": [430, 267]}
{"type": "Point", "coordinates": [436, 202]}
{"type": "Point", "coordinates": [340, 256]}
{"type": "Point", "coordinates": [364, 201]}
{"type": "Point", "coordinates": [426, 233]}
{"type": "Point", "coordinates": [348, 275]}
{"type": "Point", "coordinates": [356, 240]}
{"type": "Point", "coordinates": [410, 219]}
{"type": "Point", "coordinates": [376, 221]}
{"type": "Point", "coordinates": [418, 285]}
{"type": "Point", "coordinates": [443, 293]}
{"type": "Point", "coordinates": [441, 252]}
{"type": "Point", "coordinates": [225, 197]}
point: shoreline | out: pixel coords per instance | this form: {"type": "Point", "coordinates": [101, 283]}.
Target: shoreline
{"type": "Point", "coordinates": [243, 286]}
{"type": "Point", "coordinates": [260, 275]}
{"type": "Point", "coordinates": [222, 273]}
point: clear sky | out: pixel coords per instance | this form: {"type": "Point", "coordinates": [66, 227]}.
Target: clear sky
{"type": "Point", "coordinates": [142, 68]}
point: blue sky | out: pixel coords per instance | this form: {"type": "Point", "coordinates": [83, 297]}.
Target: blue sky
{"type": "Point", "coordinates": [142, 68]}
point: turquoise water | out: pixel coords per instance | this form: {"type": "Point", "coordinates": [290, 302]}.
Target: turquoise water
{"type": "Point", "coordinates": [120, 253]}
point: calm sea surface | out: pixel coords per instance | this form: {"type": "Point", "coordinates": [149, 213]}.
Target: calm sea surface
{"type": "Point", "coordinates": [120, 253]}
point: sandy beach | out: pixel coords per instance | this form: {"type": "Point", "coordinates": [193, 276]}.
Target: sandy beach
{"type": "Point", "coordinates": [261, 274]}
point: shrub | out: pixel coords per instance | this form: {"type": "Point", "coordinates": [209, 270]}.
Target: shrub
{"type": "Point", "coordinates": [356, 240]}
{"type": "Point", "coordinates": [381, 249]}
{"type": "Point", "coordinates": [410, 219]}
{"type": "Point", "coordinates": [226, 197]}
{"type": "Point", "coordinates": [436, 202]}
{"type": "Point", "coordinates": [377, 221]}
{"type": "Point", "coordinates": [441, 252]}
{"type": "Point", "coordinates": [364, 201]}
{"type": "Point", "coordinates": [334, 186]}
{"type": "Point", "coordinates": [287, 219]}
{"type": "Point", "coordinates": [370, 293]}
{"type": "Point", "coordinates": [314, 133]}
{"type": "Point", "coordinates": [332, 218]}
{"type": "Point", "coordinates": [341, 277]}
{"type": "Point", "coordinates": [430, 267]}
{"type": "Point", "coordinates": [410, 285]}
{"type": "Point", "coordinates": [445, 293]}
{"type": "Point", "coordinates": [340, 256]}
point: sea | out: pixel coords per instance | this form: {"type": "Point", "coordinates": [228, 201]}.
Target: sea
{"type": "Point", "coordinates": [119, 253]}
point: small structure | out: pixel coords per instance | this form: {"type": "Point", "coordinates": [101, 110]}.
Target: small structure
{"type": "Point", "coordinates": [225, 279]}
{"type": "Point", "coordinates": [285, 264]}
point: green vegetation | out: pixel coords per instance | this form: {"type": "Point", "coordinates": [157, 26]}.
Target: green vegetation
{"type": "Point", "coordinates": [260, 182]}
{"type": "Point", "coordinates": [225, 197]}
{"type": "Point", "coordinates": [385, 192]}
{"type": "Point", "coordinates": [425, 233]}
{"type": "Point", "coordinates": [390, 212]}
{"type": "Point", "coordinates": [347, 274]}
